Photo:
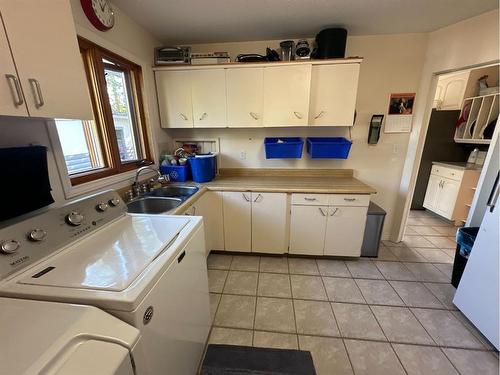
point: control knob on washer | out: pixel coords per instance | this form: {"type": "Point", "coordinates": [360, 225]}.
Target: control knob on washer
{"type": "Point", "coordinates": [74, 218]}
{"type": "Point", "coordinates": [37, 235]}
{"type": "Point", "coordinates": [114, 202]}
{"type": "Point", "coordinates": [9, 246]}
{"type": "Point", "coordinates": [101, 207]}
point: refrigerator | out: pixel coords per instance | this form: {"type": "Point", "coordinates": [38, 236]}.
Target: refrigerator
{"type": "Point", "coordinates": [477, 294]}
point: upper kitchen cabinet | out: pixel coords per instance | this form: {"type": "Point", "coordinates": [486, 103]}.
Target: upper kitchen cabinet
{"type": "Point", "coordinates": [450, 91]}
{"type": "Point", "coordinates": [286, 95]}
{"type": "Point", "coordinates": [54, 85]}
{"type": "Point", "coordinates": [333, 94]}
{"type": "Point", "coordinates": [209, 98]}
{"type": "Point", "coordinates": [11, 95]}
{"type": "Point", "coordinates": [174, 98]}
{"type": "Point", "coordinates": [245, 106]}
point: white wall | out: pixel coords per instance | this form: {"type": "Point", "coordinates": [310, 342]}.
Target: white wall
{"type": "Point", "coordinates": [126, 39]}
{"type": "Point", "coordinates": [465, 44]}
{"type": "Point", "coordinates": [392, 63]}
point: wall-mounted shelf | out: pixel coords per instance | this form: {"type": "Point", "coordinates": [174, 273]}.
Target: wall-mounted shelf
{"type": "Point", "coordinates": [483, 111]}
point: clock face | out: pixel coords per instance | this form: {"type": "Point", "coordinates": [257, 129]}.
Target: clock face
{"type": "Point", "coordinates": [99, 13]}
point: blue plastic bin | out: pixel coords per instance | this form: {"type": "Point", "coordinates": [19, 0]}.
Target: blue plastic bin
{"type": "Point", "coordinates": [176, 173]}
{"type": "Point", "coordinates": [283, 148]}
{"type": "Point", "coordinates": [328, 147]}
{"type": "Point", "coordinates": [203, 167]}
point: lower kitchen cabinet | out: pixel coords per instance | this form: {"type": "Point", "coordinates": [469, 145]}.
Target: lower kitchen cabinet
{"type": "Point", "coordinates": [307, 230]}
{"type": "Point", "coordinates": [210, 207]}
{"type": "Point", "coordinates": [345, 229]}
{"type": "Point", "coordinates": [255, 222]}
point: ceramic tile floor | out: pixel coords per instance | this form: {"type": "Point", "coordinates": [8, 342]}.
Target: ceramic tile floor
{"type": "Point", "coordinates": [390, 315]}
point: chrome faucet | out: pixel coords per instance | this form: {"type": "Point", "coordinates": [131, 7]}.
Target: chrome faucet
{"type": "Point", "coordinates": [159, 177]}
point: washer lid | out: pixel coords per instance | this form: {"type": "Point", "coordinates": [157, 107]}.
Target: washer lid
{"type": "Point", "coordinates": [111, 258]}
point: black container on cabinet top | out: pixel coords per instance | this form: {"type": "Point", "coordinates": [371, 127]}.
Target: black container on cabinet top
{"type": "Point", "coordinates": [330, 44]}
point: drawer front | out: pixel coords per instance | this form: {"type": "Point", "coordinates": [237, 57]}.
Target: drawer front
{"type": "Point", "coordinates": [452, 173]}
{"type": "Point", "coordinates": [310, 199]}
{"type": "Point", "coordinates": [357, 200]}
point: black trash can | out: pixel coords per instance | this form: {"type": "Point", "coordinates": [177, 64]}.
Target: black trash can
{"type": "Point", "coordinates": [373, 230]}
{"type": "Point", "coordinates": [465, 240]}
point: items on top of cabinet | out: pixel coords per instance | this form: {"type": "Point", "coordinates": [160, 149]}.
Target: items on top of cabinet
{"type": "Point", "coordinates": [330, 44]}
{"type": "Point", "coordinates": [283, 148]}
{"type": "Point", "coordinates": [328, 147]}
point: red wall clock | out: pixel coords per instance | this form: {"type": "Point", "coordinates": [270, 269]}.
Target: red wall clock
{"type": "Point", "coordinates": [99, 13]}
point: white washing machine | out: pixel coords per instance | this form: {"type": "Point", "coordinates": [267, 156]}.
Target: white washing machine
{"type": "Point", "coordinates": [147, 270]}
{"type": "Point", "coordinates": [62, 339]}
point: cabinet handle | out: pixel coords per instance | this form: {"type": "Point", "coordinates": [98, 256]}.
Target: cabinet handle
{"type": "Point", "coordinates": [37, 92]}
{"type": "Point", "coordinates": [321, 210]}
{"type": "Point", "coordinates": [205, 114]}
{"type": "Point", "coordinates": [184, 117]}
{"type": "Point", "coordinates": [257, 199]}
{"type": "Point", "coordinates": [319, 115]}
{"type": "Point", "coordinates": [349, 199]}
{"type": "Point", "coordinates": [309, 199]}
{"type": "Point", "coordinates": [15, 89]}
{"type": "Point", "coordinates": [334, 211]}
{"type": "Point", "coordinates": [254, 115]}
{"type": "Point", "coordinates": [181, 257]}
{"type": "Point", "coordinates": [245, 196]}
{"type": "Point", "coordinates": [298, 115]}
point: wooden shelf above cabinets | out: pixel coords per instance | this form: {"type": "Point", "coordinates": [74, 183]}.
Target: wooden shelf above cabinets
{"type": "Point", "coordinates": [271, 94]}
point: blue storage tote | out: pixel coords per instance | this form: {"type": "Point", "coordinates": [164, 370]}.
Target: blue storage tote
{"type": "Point", "coordinates": [176, 173]}
{"type": "Point", "coordinates": [203, 167]}
{"type": "Point", "coordinates": [283, 148]}
{"type": "Point", "coordinates": [328, 147]}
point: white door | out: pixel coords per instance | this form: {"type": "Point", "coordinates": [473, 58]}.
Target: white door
{"type": "Point", "coordinates": [307, 230]}
{"type": "Point", "coordinates": [452, 90]}
{"type": "Point", "coordinates": [345, 230]}
{"type": "Point", "coordinates": [286, 95]}
{"type": "Point", "coordinates": [433, 187]}
{"type": "Point", "coordinates": [269, 222]}
{"type": "Point", "coordinates": [174, 98]}
{"type": "Point", "coordinates": [210, 207]}
{"type": "Point", "coordinates": [43, 41]}
{"type": "Point", "coordinates": [447, 197]}
{"type": "Point", "coordinates": [11, 95]}
{"type": "Point", "coordinates": [237, 208]}
{"type": "Point", "coordinates": [209, 98]}
{"type": "Point", "coordinates": [245, 89]}
{"type": "Point", "coordinates": [333, 94]}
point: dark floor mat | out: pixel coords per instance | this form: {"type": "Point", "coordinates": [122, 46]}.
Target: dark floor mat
{"type": "Point", "coordinates": [246, 360]}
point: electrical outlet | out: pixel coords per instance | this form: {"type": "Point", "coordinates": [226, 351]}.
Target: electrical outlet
{"type": "Point", "coordinates": [243, 155]}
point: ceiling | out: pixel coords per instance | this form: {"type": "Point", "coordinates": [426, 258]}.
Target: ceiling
{"type": "Point", "coordinates": [205, 21]}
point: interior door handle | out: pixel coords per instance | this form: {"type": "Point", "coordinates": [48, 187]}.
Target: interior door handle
{"type": "Point", "coordinates": [37, 92]}
{"type": "Point", "coordinates": [492, 199]}
{"type": "Point", "coordinates": [15, 89]}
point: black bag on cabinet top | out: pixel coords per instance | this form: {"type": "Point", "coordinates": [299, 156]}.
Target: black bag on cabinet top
{"type": "Point", "coordinates": [330, 44]}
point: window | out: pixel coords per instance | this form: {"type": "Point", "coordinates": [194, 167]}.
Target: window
{"type": "Point", "coordinates": [115, 141]}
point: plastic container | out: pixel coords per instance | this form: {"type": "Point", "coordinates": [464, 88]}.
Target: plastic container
{"type": "Point", "coordinates": [283, 148]}
{"type": "Point", "coordinates": [373, 230]}
{"type": "Point", "coordinates": [465, 240]}
{"type": "Point", "coordinates": [203, 167]}
{"type": "Point", "coordinates": [176, 173]}
{"type": "Point", "coordinates": [328, 147]}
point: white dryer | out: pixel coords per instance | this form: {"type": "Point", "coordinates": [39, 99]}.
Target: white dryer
{"type": "Point", "coordinates": [147, 270]}
{"type": "Point", "coordinates": [62, 339]}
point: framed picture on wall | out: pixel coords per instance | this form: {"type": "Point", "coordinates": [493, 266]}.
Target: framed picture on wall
{"type": "Point", "coordinates": [400, 113]}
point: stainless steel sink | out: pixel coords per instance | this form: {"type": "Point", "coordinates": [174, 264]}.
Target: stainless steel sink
{"type": "Point", "coordinates": [153, 205]}
{"type": "Point", "coordinates": [182, 192]}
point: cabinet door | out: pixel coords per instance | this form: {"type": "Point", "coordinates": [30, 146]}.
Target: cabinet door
{"type": "Point", "coordinates": [209, 98]}
{"type": "Point", "coordinates": [286, 95]}
{"type": "Point", "coordinates": [245, 89]}
{"type": "Point", "coordinates": [237, 208]}
{"type": "Point", "coordinates": [307, 230]}
{"type": "Point", "coordinates": [210, 207]}
{"type": "Point", "coordinates": [433, 187]}
{"type": "Point", "coordinates": [333, 94]}
{"type": "Point", "coordinates": [174, 98]}
{"type": "Point", "coordinates": [447, 197]}
{"type": "Point", "coordinates": [269, 222]}
{"type": "Point", "coordinates": [452, 91]}
{"type": "Point", "coordinates": [345, 230]}
{"type": "Point", "coordinates": [43, 41]}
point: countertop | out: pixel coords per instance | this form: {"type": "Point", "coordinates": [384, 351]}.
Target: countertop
{"type": "Point", "coordinates": [325, 181]}
{"type": "Point", "coordinates": [458, 165]}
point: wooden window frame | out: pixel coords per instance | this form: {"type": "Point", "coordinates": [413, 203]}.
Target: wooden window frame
{"type": "Point", "coordinates": [94, 68]}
